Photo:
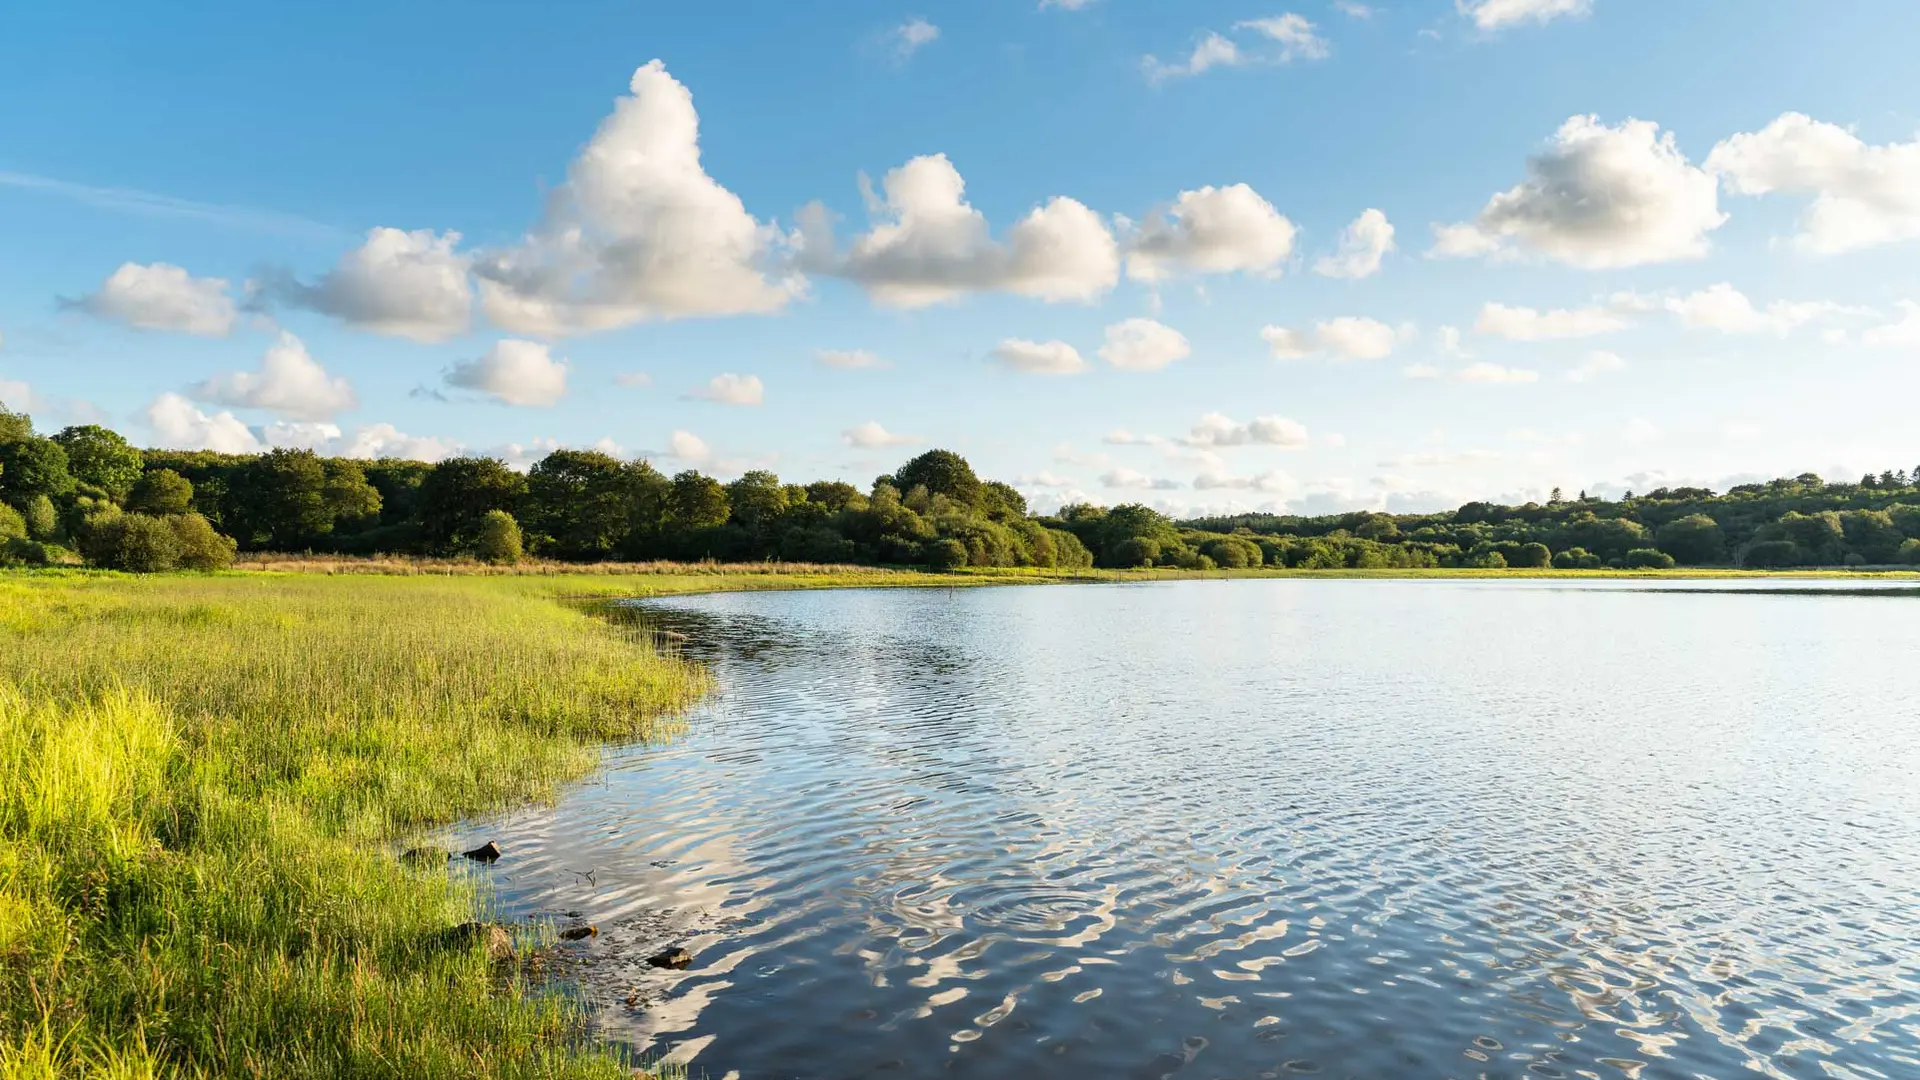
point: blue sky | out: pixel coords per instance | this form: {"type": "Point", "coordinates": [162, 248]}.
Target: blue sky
{"type": "Point", "coordinates": [186, 199]}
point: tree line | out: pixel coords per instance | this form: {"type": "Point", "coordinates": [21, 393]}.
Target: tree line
{"type": "Point", "coordinates": [86, 495]}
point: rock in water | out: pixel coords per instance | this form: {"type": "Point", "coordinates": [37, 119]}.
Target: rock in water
{"type": "Point", "coordinates": [676, 959]}
{"type": "Point", "coordinates": [488, 852]}
{"type": "Point", "coordinates": [579, 933]}
{"type": "Point", "coordinates": [498, 943]}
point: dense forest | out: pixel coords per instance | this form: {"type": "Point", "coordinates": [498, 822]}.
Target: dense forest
{"type": "Point", "coordinates": [86, 495]}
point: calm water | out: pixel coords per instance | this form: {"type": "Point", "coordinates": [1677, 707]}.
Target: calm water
{"type": "Point", "coordinates": [1264, 828]}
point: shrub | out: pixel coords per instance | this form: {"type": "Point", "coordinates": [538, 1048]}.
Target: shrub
{"type": "Point", "coordinates": [138, 543]}
{"type": "Point", "coordinates": [1770, 553]}
{"type": "Point", "coordinates": [12, 525]}
{"type": "Point", "coordinates": [161, 492]}
{"type": "Point", "coordinates": [1534, 556]}
{"type": "Point", "coordinates": [1910, 552]}
{"type": "Point", "coordinates": [42, 522]}
{"type": "Point", "coordinates": [1234, 553]}
{"type": "Point", "coordinates": [1574, 558]}
{"type": "Point", "coordinates": [1136, 551]}
{"type": "Point", "coordinates": [1648, 559]}
{"type": "Point", "coordinates": [201, 548]}
{"type": "Point", "coordinates": [948, 554]}
{"type": "Point", "coordinates": [498, 538]}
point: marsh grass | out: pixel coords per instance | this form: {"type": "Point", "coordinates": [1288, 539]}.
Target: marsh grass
{"type": "Point", "coordinates": [203, 782]}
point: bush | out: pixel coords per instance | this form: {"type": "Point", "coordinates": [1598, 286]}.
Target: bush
{"type": "Point", "coordinates": [42, 522]}
{"type": "Point", "coordinates": [1771, 553]}
{"type": "Point", "coordinates": [201, 548]}
{"type": "Point", "coordinates": [1234, 553]}
{"type": "Point", "coordinates": [1910, 552]}
{"type": "Point", "coordinates": [948, 554]}
{"type": "Point", "coordinates": [12, 525]}
{"type": "Point", "coordinates": [1136, 551]}
{"type": "Point", "coordinates": [1533, 556]}
{"type": "Point", "coordinates": [161, 492]}
{"type": "Point", "coordinates": [138, 543]}
{"type": "Point", "coordinates": [498, 538]}
{"type": "Point", "coordinates": [1648, 559]}
{"type": "Point", "coordinates": [1575, 558]}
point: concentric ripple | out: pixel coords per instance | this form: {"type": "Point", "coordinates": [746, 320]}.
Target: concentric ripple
{"type": "Point", "coordinates": [1264, 828]}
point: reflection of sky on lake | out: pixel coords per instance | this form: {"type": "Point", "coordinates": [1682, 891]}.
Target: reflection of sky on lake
{"type": "Point", "coordinates": [1378, 828]}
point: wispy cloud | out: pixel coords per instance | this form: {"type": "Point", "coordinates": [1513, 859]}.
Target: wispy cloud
{"type": "Point", "coordinates": [149, 204]}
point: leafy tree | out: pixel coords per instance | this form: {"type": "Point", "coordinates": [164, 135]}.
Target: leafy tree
{"type": "Point", "coordinates": [280, 500]}
{"type": "Point", "coordinates": [1648, 559]}
{"type": "Point", "coordinates": [137, 543]}
{"type": "Point", "coordinates": [1871, 534]}
{"type": "Point", "coordinates": [498, 538]}
{"type": "Point", "coordinates": [1531, 556]}
{"type": "Point", "coordinates": [1906, 518]}
{"type": "Point", "coordinates": [101, 458]}
{"type": "Point", "coordinates": [946, 554]}
{"type": "Point", "coordinates": [835, 495]}
{"type": "Point", "coordinates": [579, 504]}
{"type": "Point", "coordinates": [1694, 540]}
{"type": "Point", "coordinates": [350, 498]}
{"type": "Point", "coordinates": [1002, 502]}
{"type": "Point", "coordinates": [13, 526]}
{"type": "Point", "coordinates": [696, 501]}
{"type": "Point", "coordinates": [1909, 552]}
{"type": "Point", "coordinates": [1134, 551]}
{"type": "Point", "coordinates": [33, 466]}
{"type": "Point", "coordinates": [941, 472]}
{"type": "Point", "coordinates": [458, 493]}
{"type": "Point", "coordinates": [14, 426]}
{"type": "Point", "coordinates": [201, 548]}
{"type": "Point", "coordinates": [1819, 536]}
{"type": "Point", "coordinates": [1774, 553]}
{"type": "Point", "coordinates": [1233, 552]}
{"type": "Point", "coordinates": [43, 522]}
{"type": "Point", "coordinates": [161, 492]}
{"type": "Point", "coordinates": [757, 502]}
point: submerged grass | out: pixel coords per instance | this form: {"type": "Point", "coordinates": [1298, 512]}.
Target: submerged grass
{"type": "Point", "coordinates": [203, 782]}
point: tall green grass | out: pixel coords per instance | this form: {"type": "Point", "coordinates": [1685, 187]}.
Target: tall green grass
{"type": "Point", "coordinates": [203, 782]}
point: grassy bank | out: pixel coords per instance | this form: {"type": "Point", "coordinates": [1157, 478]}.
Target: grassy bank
{"type": "Point", "coordinates": [203, 781]}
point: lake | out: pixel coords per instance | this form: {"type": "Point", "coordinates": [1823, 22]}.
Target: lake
{"type": "Point", "coordinates": [1208, 829]}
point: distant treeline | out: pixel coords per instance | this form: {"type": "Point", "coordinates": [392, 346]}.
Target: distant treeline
{"type": "Point", "coordinates": [86, 494]}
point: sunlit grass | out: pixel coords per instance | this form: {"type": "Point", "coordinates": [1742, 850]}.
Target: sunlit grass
{"type": "Point", "coordinates": [202, 785]}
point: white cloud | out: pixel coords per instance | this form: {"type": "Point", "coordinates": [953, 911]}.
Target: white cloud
{"type": "Point", "coordinates": [731, 389]}
{"type": "Point", "coordinates": [178, 425]}
{"type": "Point", "coordinates": [1864, 195]}
{"type": "Point", "coordinates": [1272, 482]}
{"type": "Point", "coordinates": [1344, 338]}
{"type": "Point", "coordinates": [515, 372]}
{"type": "Point", "coordinates": [289, 383]}
{"type": "Point", "coordinates": [1040, 357]}
{"type": "Point", "coordinates": [1294, 35]}
{"type": "Point", "coordinates": [163, 297]}
{"type": "Point", "coordinates": [1143, 345]}
{"type": "Point", "coordinates": [1484, 372]}
{"type": "Point", "coordinates": [1437, 459]}
{"type": "Point", "coordinates": [1640, 430]}
{"type": "Point", "coordinates": [1597, 197]}
{"type": "Point", "coordinates": [1897, 335]}
{"type": "Point", "coordinates": [1362, 246]}
{"type": "Point", "coordinates": [387, 441]}
{"type": "Point", "coordinates": [688, 447]}
{"type": "Point", "coordinates": [1213, 51]}
{"type": "Point", "coordinates": [1219, 430]}
{"type": "Point", "coordinates": [1421, 371]}
{"type": "Point", "coordinates": [633, 380]}
{"type": "Point", "coordinates": [1726, 309]}
{"type": "Point", "coordinates": [1531, 324]}
{"type": "Point", "coordinates": [17, 396]}
{"type": "Point", "coordinates": [930, 246]}
{"type": "Point", "coordinates": [407, 284]}
{"type": "Point", "coordinates": [850, 359]}
{"type": "Point", "coordinates": [639, 231]}
{"type": "Point", "coordinates": [872, 434]}
{"type": "Point", "coordinates": [1211, 231]}
{"type": "Point", "coordinates": [1597, 363]}
{"type": "Point", "coordinates": [1126, 479]}
{"type": "Point", "coordinates": [1495, 14]}
{"type": "Point", "coordinates": [1353, 9]}
{"type": "Point", "coordinates": [1044, 479]}
{"type": "Point", "coordinates": [910, 36]}
{"type": "Point", "coordinates": [1450, 344]}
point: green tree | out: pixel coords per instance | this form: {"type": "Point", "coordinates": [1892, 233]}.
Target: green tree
{"type": "Point", "coordinates": [101, 458]}
{"type": "Point", "coordinates": [1695, 540]}
{"type": "Point", "coordinates": [137, 543]}
{"type": "Point", "coordinates": [948, 554]}
{"type": "Point", "coordinates": [458, 494]}
{"type": "Point", "coordinates": [579, 504]}
{"type": "Point", "coordinates": [756, 503]}
{"type": "Point", "coordinates": [1819, 536]}
{"type": "Point", "coordinates": [1002, 502]}
{"type": "Point", "coordinates": [14, 426]}
{"type": "Point", "coordinates": [33, 466]}
{"type": "Point", "coordinates": [835, 495]}
{"type": "Point", "coordinates": [1532, 556]}
{"type": "Point", "coordinates": [279, 501]}
{"type": "Point", "coordinates": [161, 492]}
{"type": "Point", "coordinates": [351, 500]}
{"type": "Point", "coordinates": [498, 538]}
{"type": "Point", "coordinates": [941, 472]}
{"type": "Point", "coordinates": [1232, 552]}
{"type": "Point", "coordinates": [13, 525]}
{"type": "Point", "coordinates": [1648, 559]}
{"type": "Point", "coordinates": [696, 501]}
{"type": "Point", "coordinates": [1768, 554]}
{"type": "Point", "coordinates": [43, 523]}
{"type": "Point", "coordinates": [1871, 534]}
{"type": "Point", "coordinates": [201, 548]}
{"type": "Point", "coordinates": [1909, 552]}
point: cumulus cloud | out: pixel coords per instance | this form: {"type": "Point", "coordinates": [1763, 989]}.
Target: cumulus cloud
{"type": "Point", "coordinates": [871, 434]}
{"type": "Point", "coordinates": [1040, 357]}
{"type": "Point", "coordinates": [1362, 246]}
{"type": "Point", "coordinates": [1277, 39]}
{"type": "Point", "coordinates": [1904, 334]}
{"type": "Point", "coordinates": [910, 36]}
{"type": "Point", "coordinates": [638, 232]}
{"type": "Point", "coordinates": [1126, 479]}
{"type": "Point", "coordinates": [633, 380]}
{"type": "Point", "coordinates": [1863, 195]}
{"type": "Point", "coordinates": [1044, 479]}
{"type": "Point", "coordinates": [289, 382]}
{"type": "Point", "coordinates": [1496, 14]}
{"type": "Point", "coordinates": [731, 389]}
{"type": "Point", "coordinates": [1272, 482]}
{"type": "Point", "coordinates": [1344, 338]}
{"type": "Point", "coordinates": [1484, 372]}
{"type": "Point", "coordinates": [850, 359]}
{"type": "Point", "coordinates": [1597, 364]}
{"type": "Point", "coordinates": [1531, 324]}
{"type": "Point", "coordinates": [180, 425]}
{"type": "Point", "coordinates": [1353, 9]}
{"type": "Point", "coordinates": [161, 296]}
{"type": "Point", "coordinates": [411, 285]}
{"type": "Point", "coordinates": [1211, 231]}
{"type": "Point", "coordinates": [1450, 343]}
{"type": "Point", "coordinates": [928, 245]}
{"type": "Point", "coordinates": [1143, 345]}
{"type": "Point", "coordinates": [514, 372]}
{"type": "Point", "coordinates": [686, 446]}
{"type": "Point", "coordinates": [1217, 430]}
{"type": "Point", "coordinates": [1726, 309]}
{"type": "Point", "coordinates": [1597, 197]}
{"type": "Point", "coordinates": [1640, 430]}
{"type": "Point", "coordinates": [387, 441]}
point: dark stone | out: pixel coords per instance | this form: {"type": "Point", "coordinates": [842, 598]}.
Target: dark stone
{"type": "Point", "coordinates": [488, 852]}
{"type": "Point", "coordinates": [494, 938]}
{"type": "Point", "coordinates": [423, 856]}
{"type": "Point", "coordinates": [676, 958]}
{"type": "Point", "coordinates": [579, 933]}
